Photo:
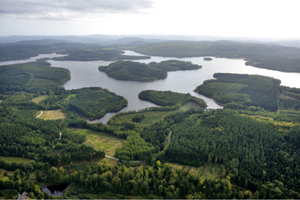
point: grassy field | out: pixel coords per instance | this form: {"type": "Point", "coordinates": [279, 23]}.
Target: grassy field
{"type": "Point", "coordinates": [69, 96]}
{"type": "Point", "coordinates": [2, 174]}
{"type": "Point", "coordinates": [208, 170]}
{"type": "Point", "coordinates": [270, 120]}
{"type": "Point", "coordinates": [189, 105]}
{"type": "Point", "coordinates": [109, 161]}
{"type": "Point", "coordinates": [51, 115]}
{"type": "Point", "coordinates": [40, 98]}
{"type": "Point", "coordinates": [101, 141]}
{"type": "Point", "coordinates": [15, 159]}
{"type": "Point", "coordinates": [150, 117]}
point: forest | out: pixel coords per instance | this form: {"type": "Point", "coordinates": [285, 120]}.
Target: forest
{"type": "Point", "coordinates": [134, 71]}
{"type": "Point", "coordinates": [246, 90]}
{"type": "Point", "coordinates": [275, 57]}
{"type": "Point", "coordinates": [31, 77]}
{"type": "Point", "coordinates": [94, 102]}
{"type": "Point", "coordinates": [180, 149]}
{"type": "Point", "coordinates": [168, 98]}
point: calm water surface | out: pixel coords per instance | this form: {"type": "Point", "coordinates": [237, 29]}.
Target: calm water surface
{"type": "Point", "coordinates": [32, 59]}
{"type": "Point", "coordinates": [86, 74]}
{"type": "Point", "coordinates": [55, 189]}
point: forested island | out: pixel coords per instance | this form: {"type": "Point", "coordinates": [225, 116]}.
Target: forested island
{"type": "Point", "coordinates": [207, 59]}
{"type": "Point", "coordinates": [134, 71]}
{"type": "Point", "coordinates": [168, 98]}
{"type": "Point", "coordinates": [249, 149]}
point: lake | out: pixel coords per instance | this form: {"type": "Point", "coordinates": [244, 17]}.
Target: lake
{"type": "Point", "coordinates": [86, 74]}
{"type": "Point", "coordinates": [54, 189]}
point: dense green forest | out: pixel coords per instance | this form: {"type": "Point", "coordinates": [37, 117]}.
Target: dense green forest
{"type": "Point", "coordinates": [31, 77]}
{"type": "Point", "coordinates": [94, 102]}
{"type": "Point", "coordinates": [246, 90]}
{"type": "Point", "coordinates": [163, 151]}
{"type": "Point", "coordinates": [174, 65]}
{"type": "Point", "coordinates": [168, 98]}
{"type": "Point", "coordinates": [127, 70]}
{"type": "Point", "coordinates": [273, 57]}
{"type": "Point", "coordinates": [134, 71]}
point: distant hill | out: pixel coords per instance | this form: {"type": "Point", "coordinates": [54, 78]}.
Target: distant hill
{"type": "Point", "coordinates": [289, 43]}
{"type": "Point", "coordinates": [275, 57]}
{"type": "Point", "coordinates": [41, 42]}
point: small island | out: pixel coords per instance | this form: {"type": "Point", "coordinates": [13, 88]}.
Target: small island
{"type": "Point", "coordinates": [168, 98]}
{"type": "Point", "coordinates": [135, 71]}
{"type": "Point", "coordinates": [207, 59]}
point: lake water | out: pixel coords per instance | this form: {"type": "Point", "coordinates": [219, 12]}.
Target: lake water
{"type": "Point", "coordinates": [86, 74]}
{"type": "Point", "coordinates": [55, 189]}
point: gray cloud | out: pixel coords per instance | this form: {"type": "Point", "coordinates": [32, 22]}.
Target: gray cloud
{"type": "Point", "coordinates": [67, 9]}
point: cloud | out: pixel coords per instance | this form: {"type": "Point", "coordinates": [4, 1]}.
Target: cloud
{"type": "Point", "coordinates": [69, 9]}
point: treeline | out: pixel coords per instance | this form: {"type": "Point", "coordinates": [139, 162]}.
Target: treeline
{"type": "Point", "coordinates": [247, 90]}
{"type": "Point", "coordinates": [162, 180]}
{"type": "Point", "coordinates": [134, 71]}
{"type": "Point", "coordinates": [26, 49]}
{"type": "Point", "coordinates": [168, 98]}
{"type": "Point", "coordinates": [273, 57]}
{"type": "Point", "coordinates": [174, 65]}
{"type": "Point", "coordinates": [257, 154]}
{"type": "Point", "coordinates": [94, 102]}
{"type": "Point", "coordinates": [96, 54]}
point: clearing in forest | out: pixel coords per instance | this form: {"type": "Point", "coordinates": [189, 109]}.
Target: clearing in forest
{"type": "Point", "coordinates": [150, 117]}
{"type": "Point", "coordinates": [15, 159]}
{"type": "Point", "coordinates": [189, 105]}
{"type": "Point", "coordinates": [208, 170]}
{"type": "Point", "coordinates": [9, 173]}
{"type": "Point", "coordinates": [51, 115]}
{"type": "Point", "coordinates": [69, 96]}
{"type": "Point", "coordinates": [109, 161]}
{"type": "Point", "coordinates": [40, 98]}
{"type": "Point", "coordinates": [101, 141]}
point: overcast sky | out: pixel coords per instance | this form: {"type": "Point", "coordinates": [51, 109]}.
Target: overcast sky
{"type": "Point", "coordinates": [233, 18]}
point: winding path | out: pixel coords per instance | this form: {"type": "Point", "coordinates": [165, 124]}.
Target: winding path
{"type": "Point", "coordinates": [40, 114]}
{"type": "Point", "coordinates": [132, 161]}
{"type": "Point", "coordinates": [58, 139]}
{"type": "Point", "coordinates": [169, 138]}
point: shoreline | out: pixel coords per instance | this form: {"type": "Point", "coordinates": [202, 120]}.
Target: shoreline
{"type": "Point", "coordinates": [108, 111]}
